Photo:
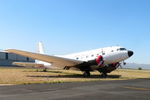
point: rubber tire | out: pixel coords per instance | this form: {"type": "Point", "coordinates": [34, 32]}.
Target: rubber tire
{"type": "Point", "coordinates": [86, 74]}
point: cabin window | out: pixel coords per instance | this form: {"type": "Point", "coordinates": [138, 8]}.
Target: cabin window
{"type": "Point", "coordinates": [92, 55]}
{"type": "Point", "coordinates": [103, 53]}
{"type": "Point", "coordinates": [77, 58]}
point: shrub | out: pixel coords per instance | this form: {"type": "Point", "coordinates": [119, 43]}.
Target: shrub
{"type": "Point", "coordinates": [139, 68]}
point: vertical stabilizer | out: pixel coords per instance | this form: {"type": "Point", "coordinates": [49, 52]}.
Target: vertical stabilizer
{"type": "Point", "coordinates": [40, 48]}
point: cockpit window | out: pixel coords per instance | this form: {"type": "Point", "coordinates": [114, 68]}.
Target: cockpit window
{"type": "Point", "coordinates": [122, 49]}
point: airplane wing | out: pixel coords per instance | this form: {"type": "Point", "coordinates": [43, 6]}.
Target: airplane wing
{"type": "Point", "coordinates": [59, 62]}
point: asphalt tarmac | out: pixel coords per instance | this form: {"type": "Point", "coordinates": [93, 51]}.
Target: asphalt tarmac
{"type": "Point", "coordinates": [138, 89]}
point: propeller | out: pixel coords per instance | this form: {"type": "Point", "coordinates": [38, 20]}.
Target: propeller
{"type": "Point", "coordinates": [120, 64]}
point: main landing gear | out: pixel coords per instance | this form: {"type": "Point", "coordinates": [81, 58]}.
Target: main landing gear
{"type": "Point", "coordinates": [104, 75]}
{"type": "Point", "coordinates": [103, 72]}
{"type": "Point", "coordinates": [86, 74]}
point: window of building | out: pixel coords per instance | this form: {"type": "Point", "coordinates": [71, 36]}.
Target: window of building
{"type": "Point", "coordinates": [6, 56]}
{"type": "Point", "coordinates": [27, 59]}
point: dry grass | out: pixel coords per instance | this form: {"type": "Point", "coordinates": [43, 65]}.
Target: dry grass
{"type": "Point", "coordinates": [28, 76]}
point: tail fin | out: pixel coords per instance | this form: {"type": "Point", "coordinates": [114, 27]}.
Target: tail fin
{"type": "Point", "coordinates": [40, 48]}
{"type": "Point", "coordinates": [41, 51]}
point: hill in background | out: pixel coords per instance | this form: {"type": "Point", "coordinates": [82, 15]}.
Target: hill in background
{"type": "Point", "coordinates": [136, 66]}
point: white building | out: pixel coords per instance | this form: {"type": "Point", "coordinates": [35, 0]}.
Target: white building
{"type": "Point", "coordinates": [6, 59]}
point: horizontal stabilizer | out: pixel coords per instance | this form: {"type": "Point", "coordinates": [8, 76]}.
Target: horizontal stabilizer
{"type": "Point", "coordinates": [27, 64]}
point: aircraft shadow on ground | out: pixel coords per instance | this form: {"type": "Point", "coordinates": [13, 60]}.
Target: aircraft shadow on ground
{"type": "Point", "coordinates": [44, 72]}
{"type": "Point", "coordinates": [69, 75]}
{"type": "Point", "coordinates": [73, 76]}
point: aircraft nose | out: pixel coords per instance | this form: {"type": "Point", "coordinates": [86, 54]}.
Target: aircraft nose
{"type": "Point", "coordinates": [130, 53]}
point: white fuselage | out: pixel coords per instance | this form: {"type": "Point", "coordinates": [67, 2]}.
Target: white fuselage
{"type": "Point", "coordinates": [110, 54]}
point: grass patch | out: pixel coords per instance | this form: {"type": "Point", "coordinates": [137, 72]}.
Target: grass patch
{"type": "Point", "coordinates": [30, 76]}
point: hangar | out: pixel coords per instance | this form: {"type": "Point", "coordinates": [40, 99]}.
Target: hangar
{"type": "Point", "coordinates": [6, 59]}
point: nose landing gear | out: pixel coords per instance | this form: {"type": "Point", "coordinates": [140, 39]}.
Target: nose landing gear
{"type": "Point", "coordinates": [103, 72]}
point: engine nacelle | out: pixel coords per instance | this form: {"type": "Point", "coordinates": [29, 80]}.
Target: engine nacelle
{"type": "Point", "coordinates": [112, 67]}
{"type": "Point", "coordinates": [109, 68]}
{"type": "Point", "coordinates": [116, 65]}
{"type": "Point", "coordinates": [99, 61]}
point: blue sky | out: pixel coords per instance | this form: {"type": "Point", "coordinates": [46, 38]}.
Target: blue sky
{"type": "Point", "coordinates": [68, 26]}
